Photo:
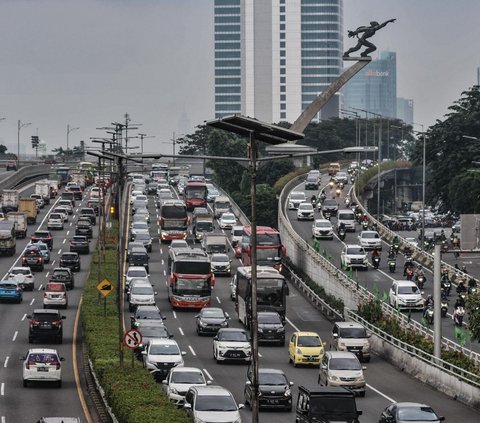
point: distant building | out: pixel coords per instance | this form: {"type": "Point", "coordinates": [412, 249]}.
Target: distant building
{"type": "Point", "coordinates": [405, 110]}
{"type": "Point", "coordinates": [273, 57]}
{"type": "Point", "coordinates": [374, 88]}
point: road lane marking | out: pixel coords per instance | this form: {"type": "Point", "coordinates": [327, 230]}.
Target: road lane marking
{"type": "Point", "coordinates": [73, 217]}
{"type": "Point", "coordinates": [71, 223]}
{"type": "Point", "coordinates": [24, 317]}
{"type": "Point", "coordinates": [53, 262]}
{"type": "Point", "coordinates": [60, 251]}
{"type": "Point", "coordinates": [15, 336]}
{"type": "Point", "coordinates": [181, 331]}
{"type": "Point", "coordinates": [33, 300]}
{"type": "Point", "coordinates": [218, 299]}
{"type": "Point", "coordinates": [46, 274]}
{"type": "Point", "coordinates": [5, 364]}
{"type": "Point", "coordinates": [2, 389]}
{"type": "Point", "coordinates": [174, 314]}
{"type": "Point", "coordinates": [208, 374]}
{"type": "Point", "coordinates": [291, 324]}
{"type": "Point", "coordinates": [41, 285]}
{"type": "Point", "coordinates": [161, 250]}
{"type": "Point", "coordinates": [64, 241]}
{"type": "Point", "coordinates": [380, 393]}
{"type": "Point", "coordinates": [164, 273]}
{"type": "Point", "coordinates": [68, 232]}
{"type": "Point", "coordinates": [163, 262]}
{"type": "Point", "coordinates": [191, 349]}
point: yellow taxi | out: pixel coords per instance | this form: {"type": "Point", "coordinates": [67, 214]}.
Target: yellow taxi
{"type": "Point", "coordinates": [305, 348]}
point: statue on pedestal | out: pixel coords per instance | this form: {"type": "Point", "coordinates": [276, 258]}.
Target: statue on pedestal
{"type": "Point", "coordinates": [367, 32]}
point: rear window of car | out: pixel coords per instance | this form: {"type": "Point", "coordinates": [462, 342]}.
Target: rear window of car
{"type": "Point", "coordinates": [46, 317]}
{"type": "Point", "coordinates": [69, 256]}
{"type": "Point", "coordinates": [43, 358]}
{"type": "Point", "coordinates": [87, 211]}
{"type": "Point", "coordinates": [55, 287]}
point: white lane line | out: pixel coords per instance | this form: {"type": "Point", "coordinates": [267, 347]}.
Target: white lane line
{"type": "Point", "coordinates": [3, 419]}
{"type": "Point", "coordinates": [164, 273]}
{"type": "Point", "coordinates": [68, 232]}
{"type": "Point", "coordinates": [191, 349]}
{"type": "Point", "coordinates": [260, 355]}
{"type": "Point", "coordinates": [5, 364]}
{"type": "Point", "coordinates": [53, 262]}
{"type": "Point", "coordinates": [208, 374]}
{"type": "Point", "coordinates": [46, 274]}
{"type": "Point", "coordinates": [76, 210]}
{"type": "Point", "coordinates": [71, 223]}
{"type": "Point", "coordinates": [41, 286]}
{"type": "Point", "coordinates": [181, 331]}
{"type": "Point", "coordinates": [166, 283]}
{"type": "Point", "coordinates": [63, 242]}
{"type": "Point", "coordinates": [15, 336]}
{"type": "Point", "coordinates": [380, 393]}
{"type": "Point", "coordinates": [60, 251]}
{"type": "Point", "coordinates": [73, 217]}
{"type": "Point", "coordinates": [174, 314]}
{"type": "Point", "coordinates": [218, 299]}
{"type": "Point", "coordinates": [161, 250]}
{"type": "Point", "coordinates": [2, 389]}
{"type": "Point", "coordinates": [158, 230]}
{"type": "Point", "coordinates": [163, 262]}
{"type": "Point", "coordinates": [33, 300]}
{"type": "Point", "coordinates": [291, 324]}
{"type": "Point", "coordinates": [24, 317]}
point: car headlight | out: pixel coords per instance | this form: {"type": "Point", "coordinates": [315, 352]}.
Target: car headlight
{"type": "Point", "coordinates": [298, 351]}
{"type": "Point", "coordinates": [360, 379]}
{"type": "Point", "coordinates": [198, 420]}
{"type": "Point", "coordinates": [173, 391]}
{"type": "Point", "coordinates": [260, 330]}
{"type": "Point", "coordinates": [223, 324]}
{"type": "Point", "coordinates": [281, 330]}
{"type": "Point", "coordinates": [202, 324]}
{"type": "Point", "coordinates": [288, 393]}
{"type": "Point", "coordinates": [334, 378]}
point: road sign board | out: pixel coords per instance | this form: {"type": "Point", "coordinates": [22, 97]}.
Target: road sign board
{"type": "Point", "coordinates": [105, 287]}
{"type": "Point", "coordinates": [132, 339]}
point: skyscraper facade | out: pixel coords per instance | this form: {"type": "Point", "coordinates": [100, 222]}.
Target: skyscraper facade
{"type": "Point", "coordinates": [273, 57]}
{"type": "Point", "coordinates": [405, 110]}
{"type": "Point", "coordinates": [374, 88]}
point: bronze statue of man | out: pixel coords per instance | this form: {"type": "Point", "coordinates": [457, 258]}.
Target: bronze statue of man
{"type": "Point", "coordinates": [367, 32]}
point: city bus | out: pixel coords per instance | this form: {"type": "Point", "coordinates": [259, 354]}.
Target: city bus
{"type": "Point", "coordinates": [63, 173]}
{"type": "Point", "coordinates": [272, 291]}
{"type": "Point", "coordinates": [195, 194]}
{"type": "Point", "coordinates": [270, 249]}
{"type": "Point", "coordinates": [191, 278]}
{"type": "Point", "coordinates": [173, 220]}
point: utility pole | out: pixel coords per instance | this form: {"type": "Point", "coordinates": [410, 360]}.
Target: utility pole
{"type": "Point", "coordinates": [20, 126]}
{"type": "Point", "coordinates": [68, 133]}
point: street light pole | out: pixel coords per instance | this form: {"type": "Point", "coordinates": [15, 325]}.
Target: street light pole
{"type": "Point", "coordinates": [20, 126]}
{"type": "Point", "coordinates": [68, 133]}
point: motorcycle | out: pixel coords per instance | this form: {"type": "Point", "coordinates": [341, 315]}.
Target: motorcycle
{"type": "Point", "coordinates": [327, 215]}
{"type": "Point", "coordinates": [341, 234]}
{"type": "Point", "coordinates": [458, 315]}
{"type": "Point", "coordinates": [396, 246]}
{"type": "Point", "coordinates": [444, 307]}
{"type": "Point", "coordinates": [420, 280]}
{"type": "Point", "coordinates": [376, 261]}
{"type": "Point", "coordinates": [365, 225]}
{"type": "Point", "coordinates": [446, 286]}
{"type": "Point", "coordinates": [429, 315]}
{"type": "Point", "coordinates": [472, 290]}
{"type": "Point", "coordinates": [408, 273]}
{"type": "Point", "coordinates": [392, 263]}
{"type": "Point", "coordinates": [347, 201]}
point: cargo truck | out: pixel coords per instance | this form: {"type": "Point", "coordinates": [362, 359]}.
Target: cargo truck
{"type": "Point", "coordinates": [19, 219]}
{"type": "Point", "coordinates": [79, 179]}
{"type": "Point", "coordinates": [43, 188]}
{"type": "Point", "coordinates": [29, 207]}
{"type": "Point", "coordinates": [8, 241]}
{"type": "Point", "coordinates": [9, 200]}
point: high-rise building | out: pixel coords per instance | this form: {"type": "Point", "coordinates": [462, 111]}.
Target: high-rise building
{"type": "Point", "coordinates": [273, 57]}
{"type": "Point", "coordinates": [374, 88]}
{"type": "Point", "coordinates": [405, 110]}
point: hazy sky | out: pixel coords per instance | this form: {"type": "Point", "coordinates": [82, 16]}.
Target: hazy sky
{"type": "Point", "coordinates": [87, 62]}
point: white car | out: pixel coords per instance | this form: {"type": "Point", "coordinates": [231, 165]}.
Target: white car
{"type": "Point", "coordinates": [136, 272]}
{"type": "Point", "coordinates": [161, 355]}
{"type": "Point", "coordinates": [24, 276]}
{"type": "Point", "coordinates": [179, 381]}
{"type": "Point", "coordinates": [354, 256]}
{"type": "Point", "coordinates": [370, 240]}
{"type": "Point", "coordinates": [134, 194]}
{"type": "Point", "coordinates": [295, 199]}
{"type": "Point", "coordinates": [220, 264]}
{"type": "Point", "coordinates": [305, 211]}
{"type": "Point", "coordinates": [67, 204]}
{"type": "Point", "coordinates": [63, 211]}
{"type": "Point", "coordinates": [178, 243]}
{"type": "Point", "coordinates": [412, 241]}
{"type": "Point", "coordinates": [42, 365]}
{"type": "Point", "coordinates": [140, 293]}
{"type": "Point", "coordinates": [227, 221]}
{"type": "Point", "coordinates": [237, 234]}
{"type": "Point", "coordinates": [232, 344]}
{"type": "Point", "coordinates": [55, 221]}
{"type": "Point", "coordinates": [55, 295]}
{"type": "Point", "coordinates": [322, 228]}
{"type": "Point", "coordinates": [405, 295]}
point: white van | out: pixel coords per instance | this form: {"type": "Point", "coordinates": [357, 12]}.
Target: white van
{"type": "Point", "coordinates": [221, 204]}
{"type": "Point", "coordinates": [347, 217]}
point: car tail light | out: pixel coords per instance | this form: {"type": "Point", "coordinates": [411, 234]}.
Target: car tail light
{"type": "Point", "coordinates": [18, 289]}
{"type": "Point", "coordinates": [34, 322]}
{"type": "Point", "coordinates": [212, 280]}
{"type": "Point", "coordinates": [45, 295]}
{"type": "Point", "coordinates": [30, 363]}
{"type": "Point", "coordinates": [57, 365]}
{"type": "Point", "coordinates": [57, 323]}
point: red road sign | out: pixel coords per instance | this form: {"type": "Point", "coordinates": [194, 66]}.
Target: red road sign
{"type": "Point", "coordinates": [132, 339]}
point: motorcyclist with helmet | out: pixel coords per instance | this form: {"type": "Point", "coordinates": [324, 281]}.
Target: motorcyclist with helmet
{"type": "Point", "coordinates": [427, 304]}
{"type": "Point", "coordinates": [313, 200]}
{"type": "Point", "coordinates": [461, 288]}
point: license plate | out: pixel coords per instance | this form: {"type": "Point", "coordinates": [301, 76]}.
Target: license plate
{"type": "Point", "coordinates": [310, 359]}
{"type": "Point", "coordinates": [272, 401]}
{"type": "Point", "coordinates": [235, 355]}
{"type": "Point", "coordinates": [42, 369]}
{"type": "Point", "coordinates": [46, 326]}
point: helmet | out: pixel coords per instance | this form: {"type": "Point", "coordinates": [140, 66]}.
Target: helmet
{"type": "Point", "coordinates": [430, 297]}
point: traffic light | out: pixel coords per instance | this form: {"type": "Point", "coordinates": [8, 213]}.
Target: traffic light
{"type": "Point", "coordinates": [35, 141]}
{"type": "Point", "coordinates": [112, 210]}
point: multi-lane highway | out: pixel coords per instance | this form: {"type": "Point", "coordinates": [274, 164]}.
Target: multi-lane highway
{"type": "Point", "coordinates": [19, 404]}
{"type": "Point", "coordinates": [385, 382]}
{"type": "Point", "coordinates": [374, 279]}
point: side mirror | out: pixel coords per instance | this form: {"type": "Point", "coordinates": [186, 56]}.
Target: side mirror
{"type": "Point", "coordinates": [62, 358]}
{"type": "Point", "coordinates": [170, 336]}
{"type": "Point", "coordinates": [240, 406]}
{"type": "Point", "coordinates": [187, 406]}
{"type": "Point", "coordinates": [335, 335]}
{"type": "Point", "coordinates": [215, 338]}
{"type": "Point", "coordinates": [227, 315]}
{"type": "Point", "coordinates": [209, 382]}
{"type": "Point", "coordinates": [184, 353]}
{"type": "Point", "coordinates": [165, 382]}
{"type": "Point", "coordinates": [364, 367]}
{"type": "Point", "coordinates": [324, 344]}
{"type": "Point", "coordinates": [43, 289]}
{"type": "Point", "coordinates": [197, 316]}
{"type": "Point", "coordinates": [248, 383]}
{"type": "Point", "coordinates": [144, 353]}
{"type": "Point", "coordinates": [291, 383]}
{"type": "Point", "coordinates": [22, 357]}
{"type": "Point", "coordinates": [64, 317]}
{"type": "Point", "coordinates": [155, 293]}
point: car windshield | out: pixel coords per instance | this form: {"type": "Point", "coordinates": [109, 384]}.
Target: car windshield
{"type": "Point", "coordinates": [147, 314]}
{"type": "Point", "coordinates": [142, 236]}
{"type": "Point", "coordinates": [8, 285]}
{"type": "Point", "coordinates": [68, 257]}
{"type": "Point", "coordinates": [142, 290]}
{"type": "Point", "coordinates": [188, 377]}
{"type": "Point", "coordinates": [212, 314]}
{"type": "Point", "coordinates": [215, 403]}
{"type": "Point", "coordinates": [344, 364]}
{"type": "Point", "coordinates": [323, 224]}
{"type": "Point", "coordinates": [154, 331]}
{"type": "Point", "coordinates": [228, 216]}
{"type": "Point", "coordinates": [305, 207]}
{"type": "Point", "coordinates": [309, 341]}
{"type": "Point", "coordinates": [408, 290]}
{"type": "Point", "coordinates": [233, 336]}
{"type": "Point", "coordinates": [20, 272]}
{"type": "Point", "coordinates": [330, 203]}
{"type": "Point", "coordinates": [356, 251]}
{"type": "Point", "coordinates": [168, 349]}
{"type": "Point", "coordinates": [46, 317]}
{"type": "Point", "coordinates": [220, 258]}
{"type": "Point", "coordinates": [269, 319]}
{"type": "Point", "coordinates": [416, 414]}
{"type": "Point", "coordinates": [353, 333]}
{"type": "Point", "coordinates": [272, 379]}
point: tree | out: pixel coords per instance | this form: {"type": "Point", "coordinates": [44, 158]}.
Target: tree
{"type": "Point", "coordinates": [473, 310]}
{"type": "Point", "coordinates": [3, 149]}
{"type": "Point", "coordinates": [196, 143]}
{"type": "Point", "coordinates": [269, 172]}
{"type": "Point", "coordinates": [267, 211]}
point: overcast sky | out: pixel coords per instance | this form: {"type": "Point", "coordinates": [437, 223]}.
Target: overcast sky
{"type": "Point", "coordinates": [87, 62]}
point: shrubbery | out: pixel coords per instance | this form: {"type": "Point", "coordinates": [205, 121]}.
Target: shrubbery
{"type": "Point", "coordinates": [132, 393]}
{"type": "Point", "coordinates": [287, 178]}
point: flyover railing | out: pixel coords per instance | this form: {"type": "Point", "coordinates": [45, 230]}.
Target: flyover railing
{"type": "Point", "coordinates": [23, 174]}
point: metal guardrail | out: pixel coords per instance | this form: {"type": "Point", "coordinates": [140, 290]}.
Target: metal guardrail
{"type": "Point", "coordinates": [464, 375]}
{"type": "Point", "coordinates": [22, 174]}
{"type": "Point", "coordinates": [237, 211]}
{"type": "Point", "coordinates": [361, 294]}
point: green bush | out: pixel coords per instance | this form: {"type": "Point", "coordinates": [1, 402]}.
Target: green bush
{"type": "Point", "coordinates": [278, 186]}
{"type": "Point", "coordinates": [131, 391]}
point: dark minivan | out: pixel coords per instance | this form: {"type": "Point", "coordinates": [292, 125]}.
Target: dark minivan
{"type": "Point", "coordinates": [325, 404]}
{"type": "Point", "coordinates": [138, 257]}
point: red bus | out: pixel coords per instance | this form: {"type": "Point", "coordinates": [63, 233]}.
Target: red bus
{"type": "Point", "coordinates": [173, 220]}
{"type": "Point", "coordinates": [195, 194]}
{"type": "Point", "coordinates": [270, 249]}
{"type": "Point", "coordinates": [191, 278]}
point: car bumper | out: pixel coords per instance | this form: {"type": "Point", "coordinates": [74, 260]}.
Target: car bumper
{"type": "Point", "coordinates": [55, 302]}
{"type": "Point", "coordinates": [275, 402]}
{"type": "Point", "coordinates": [55, 225]}
{"type": "Point", "coordinates": [308, 361]}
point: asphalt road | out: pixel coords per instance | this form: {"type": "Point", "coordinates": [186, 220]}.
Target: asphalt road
{"type": "Point", "coordinates": [19, 404]}
{"type": "Point", "coordinates": [380, 279]}
{"type": "Point", "coordinates": [385, 382]}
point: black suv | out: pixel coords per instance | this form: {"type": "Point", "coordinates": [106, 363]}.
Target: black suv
{"type": "Point", "coordinates": [64, 275]}
{"type": "Point", "coordinates": [33, 258]}
{"type": "Point", "coordinates": [84, 228]}
{"type": "Point", "coordinates": [270, 327]}
{"type": "Point", "coordinates": [70, 260]}
{"type": "Point", "coordinates": [210, 320]}
{"type": "Point", "coordinates": [138, 257]}
{"type": "Point", "coordinates": [273, 387]}
{"type": "Point", "coordinates": [90, 213]}
{"type": "Point", "coordinates": [146, 312]}
{"type": "Point", "coordinates": [80, 244]}
{"type": "Point", "coordinates": [45, 324]}
{"type": "Point", "coordinates": [311, 182]}
{"type": "Point", "coordinates": [330, 206]}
